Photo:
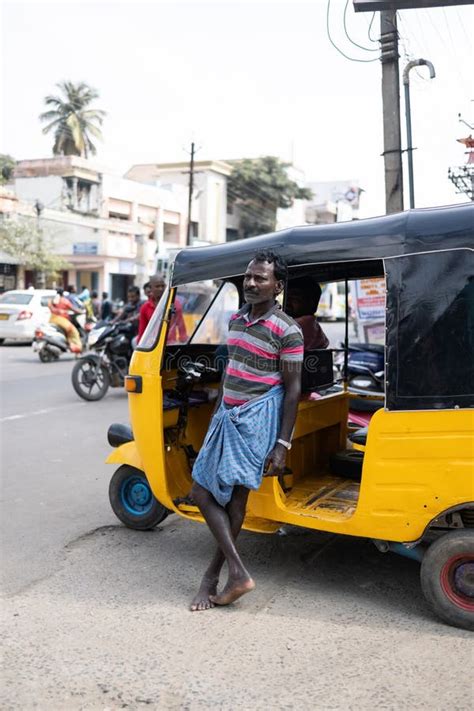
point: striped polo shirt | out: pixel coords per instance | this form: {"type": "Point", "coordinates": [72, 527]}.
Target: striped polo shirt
{"type": "Point", "coordinates": [256, 351]}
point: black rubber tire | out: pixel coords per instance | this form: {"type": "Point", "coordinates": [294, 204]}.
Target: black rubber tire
{"type": "Point", "coordinates": [46, 356]}
{"type": "Point", "coordinates": [81, 388]}
{"type": "Point", "coordinates": [2, 341]}
{"type": "Point", "coordinates": [155, 512]}
{"type": "Point", "coordinates": [347, 463]}
{"type": "Point", "coordinates": [437, 578]}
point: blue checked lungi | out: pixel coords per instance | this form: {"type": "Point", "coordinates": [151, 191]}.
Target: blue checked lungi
{"type": "Point", "coordinates": [237, 443]}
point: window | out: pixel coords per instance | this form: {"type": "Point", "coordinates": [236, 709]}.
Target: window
{"type": "Point", "coordinates": [15, 298]}
{"type": "Point", "coordinates": [191, 303]}
{"type": "Point", "coordinates": [150, 337]}
{"type": "Point", "coordinates": [213, 329]}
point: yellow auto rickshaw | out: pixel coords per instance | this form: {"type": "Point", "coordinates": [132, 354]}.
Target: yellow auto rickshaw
{"type": "Point", "coordinates": [408, 485]}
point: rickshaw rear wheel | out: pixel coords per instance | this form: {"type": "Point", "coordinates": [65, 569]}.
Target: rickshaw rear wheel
{"type": "Point", "coordinates": [132, 500]}
{"type": "Point", "coordinates": [447, 578]}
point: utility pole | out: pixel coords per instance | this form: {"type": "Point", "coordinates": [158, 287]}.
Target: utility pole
{"type": "Point", "coordinates": [392, 142]}
{"type": "Point", "coordinates": [190, 196]}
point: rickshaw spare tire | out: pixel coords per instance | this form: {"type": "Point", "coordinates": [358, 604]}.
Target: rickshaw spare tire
{"type": "Point", "coordinates": [447, 578]}
{"type": "Point", "coordinates": [347, 463]}
{"type": "Point", "coordinates": [132, 500]}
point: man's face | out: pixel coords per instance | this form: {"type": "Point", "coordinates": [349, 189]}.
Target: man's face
{"type": "Point", "coordinates": [157, 287]}
{"type": "Point", "coordinates": [295, 303]}
{"type": "Point", "coordinates": [133, 297]}
{"type": "Point", "coordinates": [260, 284]}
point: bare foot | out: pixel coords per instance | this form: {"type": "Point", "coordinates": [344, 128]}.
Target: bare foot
{"type": "Point", "coordinates": [202, 601]}
{"type": "Point", "coordinates": [232, 591]}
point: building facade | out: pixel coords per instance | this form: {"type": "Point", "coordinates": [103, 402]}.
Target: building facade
{"type": "Point", "coordinates": [107, 228]}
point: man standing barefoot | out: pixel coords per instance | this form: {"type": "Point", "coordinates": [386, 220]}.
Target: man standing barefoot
{"type": "Point", "coordinates": [251, 430]}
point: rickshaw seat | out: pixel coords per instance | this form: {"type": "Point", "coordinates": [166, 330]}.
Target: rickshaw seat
{"type": "Point", "coordinates": [359, 436]}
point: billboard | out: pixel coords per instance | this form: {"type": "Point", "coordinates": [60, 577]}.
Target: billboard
{"type": "Point", "coordinates": [371, 5]}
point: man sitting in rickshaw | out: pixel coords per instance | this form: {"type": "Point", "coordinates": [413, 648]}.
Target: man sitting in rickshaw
{"type": "Point", "coordinates": [251, 429]}
{"type": "Point", "coordinates": [302, 303]}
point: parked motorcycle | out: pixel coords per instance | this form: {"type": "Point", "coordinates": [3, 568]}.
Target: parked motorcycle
{"type": "Point", "coordinates": [50, 340]}
{"type": "Point", "coordinates": [365, 367]}
{"type": "Point", "coordinates": [107, 366]}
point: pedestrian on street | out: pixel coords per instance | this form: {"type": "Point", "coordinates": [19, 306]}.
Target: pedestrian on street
{"type": "Point", "coordinates": [251, 429]}
{"type": "Point", "coordinates": [156, 287]}
{"type": "Point", "coordinates": [95, 304]}
{"type": "Point", "coordinates": [106, 307]}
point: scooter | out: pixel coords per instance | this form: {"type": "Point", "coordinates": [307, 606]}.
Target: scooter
{"type": "Point", "coordinates": [365, 367]}
{"type": "Point", "coordinates": [50, 340]}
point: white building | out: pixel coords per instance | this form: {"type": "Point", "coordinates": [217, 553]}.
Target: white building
{"type": "Point", "coordinates": [109, 229]}
{"type": "Point", "coordinates": [333, 201]}
{"type": "Point", "coordinates": [209, 198]}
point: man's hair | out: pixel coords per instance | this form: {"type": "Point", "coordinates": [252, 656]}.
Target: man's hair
{"type": "Point", "coordinates": [311, 291]}
{"type": "Point", "coordinates": [146, 285]}
{"type": "Point", "coordinates": [105, 295]}
{"type": "Point", "coordinates": [94, 295]}
{"type": "Point", "coordinates": [280, 266]}
{"type": "Point", "coordinates": [133, 290]}
{"type": "Point", "coordinates": [71, 288]}
{"type": "Point", "coordinates": [83, 286]}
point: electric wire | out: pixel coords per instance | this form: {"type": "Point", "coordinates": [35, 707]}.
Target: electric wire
{"type": "Point", "coordinates": [344, 22]}
{"type": "Point", "coordinates": [370, 27]}
{"type": "Point", "coordinates": [346, 56]}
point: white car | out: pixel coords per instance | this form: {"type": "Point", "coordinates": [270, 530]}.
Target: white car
{"type": "Point", "coordinates": [21, 311]}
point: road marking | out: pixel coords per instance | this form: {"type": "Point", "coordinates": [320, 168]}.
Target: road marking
{"type": "Point", "coordinates": [45, 411]}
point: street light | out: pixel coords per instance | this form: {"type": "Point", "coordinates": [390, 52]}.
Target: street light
{"type": "Point", "coordinates": [406, 83]}
{"type": "Point", "coordinates": [40, 276]}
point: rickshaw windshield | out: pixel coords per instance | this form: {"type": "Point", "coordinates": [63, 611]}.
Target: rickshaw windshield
{"type": "Point", "coordinates": [200, 312]}
{"type": "Point", "coordinates": [152, 331]}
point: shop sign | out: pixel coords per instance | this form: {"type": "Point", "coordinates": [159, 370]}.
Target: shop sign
{"type": "Point", "coordinates": [85, 248]}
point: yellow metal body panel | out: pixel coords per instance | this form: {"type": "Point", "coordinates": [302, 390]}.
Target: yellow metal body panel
{"type": "Point", "coordinates": [416, 464]}
{"type": "Point", "coordinates": [126, 454]}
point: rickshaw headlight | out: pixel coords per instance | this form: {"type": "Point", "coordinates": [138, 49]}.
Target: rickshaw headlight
{"type": "Point", "coordinates": [362, 382]}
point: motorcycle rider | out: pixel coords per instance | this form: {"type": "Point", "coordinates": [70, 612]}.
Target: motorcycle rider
{"type": "Point", "coordinates": [130, 314]}
{"type": "Point", "coordinates": [61, 308]}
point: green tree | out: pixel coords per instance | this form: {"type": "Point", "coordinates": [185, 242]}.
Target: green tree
{"type": "Point", "coordinates": [7, 166]}
{"type": "Point", "coordinates": [32, 246]}
{"type": "Point", "coordinates": [258, 187]}
{"type": "Point", "coordinates": [72, 121]}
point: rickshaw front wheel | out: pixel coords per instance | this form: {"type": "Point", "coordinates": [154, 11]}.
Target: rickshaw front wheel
{"type": "Point", "coordinates": [447, 578]}
{"type": "Point", "coordinates": [132, 499]}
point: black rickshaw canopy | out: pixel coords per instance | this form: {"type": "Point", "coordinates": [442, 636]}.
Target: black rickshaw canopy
{"type": "Point", "coordinates": [356, 242]}
{"type": "Point", "coordinates": [427, 256]}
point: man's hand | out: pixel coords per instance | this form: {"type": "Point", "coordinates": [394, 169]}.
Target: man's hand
{"type": "Point", "coordinates": [275, 462]}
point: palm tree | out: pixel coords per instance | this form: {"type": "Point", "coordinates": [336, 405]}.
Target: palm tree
{"type": "Point", "coordinates": [72, 122]}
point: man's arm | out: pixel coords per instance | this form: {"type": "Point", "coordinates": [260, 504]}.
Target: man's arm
{"type": "Point", "coordinates": [143, 321]}
{"type": "Point", "coordinates": [291, 372]}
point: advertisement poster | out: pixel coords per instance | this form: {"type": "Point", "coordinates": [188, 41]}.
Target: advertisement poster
{"type": "Point", "coordinates": [370, 309]}
{"type": "Point", "coordinates": [370, 299]}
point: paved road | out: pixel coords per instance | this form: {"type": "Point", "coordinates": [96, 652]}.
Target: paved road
{"type": "Point", "coordinates": [95, 617]}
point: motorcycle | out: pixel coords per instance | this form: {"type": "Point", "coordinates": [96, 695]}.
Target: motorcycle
{"type": "Point", "coordinates": [365, 367]}
{"type": "Point", "coordinates": [50, 340]}
{"type": "Point", "coordinates": [95, 372]}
